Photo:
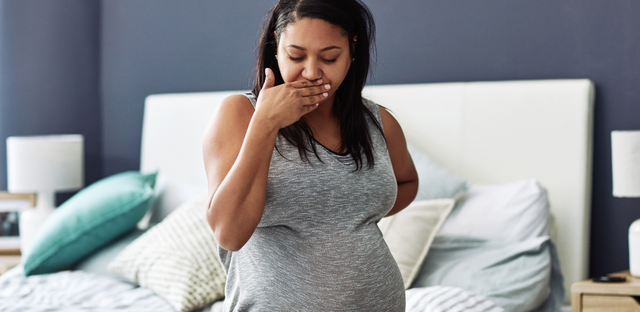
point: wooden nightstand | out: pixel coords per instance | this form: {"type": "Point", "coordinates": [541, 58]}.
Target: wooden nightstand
{"type": "Point", "coordinates": [10, 205]}
{"type": "Point", "coordinates": [587, 296]}
{"type": "Point", "coordinates": [9, 244]}
{"type": "Point", "coordinates": [7, 262]}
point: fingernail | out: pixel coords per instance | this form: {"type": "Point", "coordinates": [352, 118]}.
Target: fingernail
{"type": "Point", "coordinates": [319, 81]}
{"type": "Point", "coordinates": [325, 94]}
{"type": "Point", "coordinates": [327, 86]}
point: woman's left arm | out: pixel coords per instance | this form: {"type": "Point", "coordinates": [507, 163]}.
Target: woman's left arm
{"type": "Point", "coordinates": [403, 167]}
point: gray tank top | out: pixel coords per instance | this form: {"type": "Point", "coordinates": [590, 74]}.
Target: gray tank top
{"type": "Point", "coordinates": [318, 246]}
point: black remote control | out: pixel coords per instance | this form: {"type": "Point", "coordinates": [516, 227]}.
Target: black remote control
{"type": "Point", "coordinates": [609, 279]}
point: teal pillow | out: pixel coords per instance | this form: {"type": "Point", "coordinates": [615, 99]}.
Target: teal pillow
{"type": "Point", "coordinates": [90, 219]}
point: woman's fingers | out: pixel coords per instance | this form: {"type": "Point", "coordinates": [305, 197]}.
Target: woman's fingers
{"type": "Point", "coordinates": [269, 80]}
{"type": "Point", "coordinates": [313, 99]}
{"type": "Point", "coordinates": [317, 90]}
{"type": "Point", "coordinates": [310, 88]}
{"type": "Point", "coordinates": [306, 83]}
{"type": "Point", "coordinates": [307, 89]}
{"type": "Point", "coordinates": [286, 103]}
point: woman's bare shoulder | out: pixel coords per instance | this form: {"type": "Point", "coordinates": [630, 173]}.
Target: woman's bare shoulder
{"type": "Point", "coordinates": [234, 110]}
{"type": "Point", "coordinates": [234, 105]}
{"type": "Point", "coordinates": [231, 117]}
{"type": "Point", "coordinates": [389, 124]}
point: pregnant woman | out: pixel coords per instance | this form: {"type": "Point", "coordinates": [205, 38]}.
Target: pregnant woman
{"type": "Point", "coordinates": [301, 170]}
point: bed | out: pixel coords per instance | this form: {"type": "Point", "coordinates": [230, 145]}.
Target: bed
{"type": "Point", "coordinates": [503, 147]}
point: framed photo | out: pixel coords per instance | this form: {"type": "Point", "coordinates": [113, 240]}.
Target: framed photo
{"type": "Point", "coordinates": [11, 205]}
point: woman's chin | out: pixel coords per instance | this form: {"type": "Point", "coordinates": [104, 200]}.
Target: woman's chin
{"type": "Point", "coordinates": [325, 102]}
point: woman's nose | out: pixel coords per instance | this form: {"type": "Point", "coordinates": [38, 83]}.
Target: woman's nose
{"type": "Point", "coordinates": [311, 70]}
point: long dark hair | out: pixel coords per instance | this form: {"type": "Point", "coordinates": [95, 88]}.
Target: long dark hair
{"type": "Point", "coordinates": [355, 19]}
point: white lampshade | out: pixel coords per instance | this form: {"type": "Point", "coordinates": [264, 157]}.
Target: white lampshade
{"type": "Point", "coordinates": [625, 160]}
{"type": "Point", "coordinates": [45, 163]}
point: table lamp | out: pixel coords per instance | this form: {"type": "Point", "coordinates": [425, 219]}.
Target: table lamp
{"type": "Point", "coordinates": [625, 160]}
{"type": "Point", "coordinates": [43, 165]}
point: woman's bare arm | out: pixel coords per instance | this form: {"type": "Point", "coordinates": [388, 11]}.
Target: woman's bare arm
{"type": "Point", "coordinates": [237, 155]}
{"type": "Point", "coordinates": [403, 167]}
{"type": "Point", "coordinates": [237, 149]}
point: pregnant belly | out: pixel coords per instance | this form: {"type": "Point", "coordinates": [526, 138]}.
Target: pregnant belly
{"type": "Point", "coordinates": [354, 272]}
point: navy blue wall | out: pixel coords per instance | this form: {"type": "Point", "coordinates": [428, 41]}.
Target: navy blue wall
{"type": "Point", "coordinates": [151, 46]}
{"type": "Point", "coordinates": [49, 56]}
{"type": "Point", "coordinates": [156, 46]}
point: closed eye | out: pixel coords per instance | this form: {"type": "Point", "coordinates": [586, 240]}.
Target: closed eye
{"type": "Point", "coordinates": [298, 59]}
{"type": "Point", "coordinates": [295, 59]}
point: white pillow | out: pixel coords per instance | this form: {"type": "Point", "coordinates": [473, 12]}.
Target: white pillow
{"type": "Point", "coordinates": [177, 258]}
{"type": "Point", "coordinates": [514, 211]}
{"type": "Point", "coordinates": [435, 180]}
{"type": "Point", "coordinates": [410, 232]}
{"type": "Point", "coordinates": [170, 193]}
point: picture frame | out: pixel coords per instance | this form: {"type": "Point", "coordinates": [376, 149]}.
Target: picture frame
{"type": "Point", "coordinates": [11, 206]}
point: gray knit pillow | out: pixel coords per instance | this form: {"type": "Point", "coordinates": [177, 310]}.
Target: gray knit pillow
{"type": "Point", "coordinates": [177, 259]}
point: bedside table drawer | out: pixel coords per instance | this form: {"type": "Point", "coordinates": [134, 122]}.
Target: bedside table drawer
{"type": "Point", "coordinates": [609, 303]}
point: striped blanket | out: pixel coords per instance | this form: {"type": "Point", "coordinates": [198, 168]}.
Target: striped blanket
{"type": "Point", "coordinates": [447, 299]}
{"type": "Point", "coordinates": [75, 291]}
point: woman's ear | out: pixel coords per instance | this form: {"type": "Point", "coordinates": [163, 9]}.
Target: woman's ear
{"type": "Point", "coordinates": [275, 36]}
{"type": "Point", "coordinates": [353, 44]}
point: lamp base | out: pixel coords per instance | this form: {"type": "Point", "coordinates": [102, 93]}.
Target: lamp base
{"type": "Point", "coordinates": [634, 248]}
{"type": "Point", "coordinates": [31, 220]}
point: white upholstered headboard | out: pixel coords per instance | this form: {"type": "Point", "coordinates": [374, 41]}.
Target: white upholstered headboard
{"type": "Point", "coordinates": [486, 132]}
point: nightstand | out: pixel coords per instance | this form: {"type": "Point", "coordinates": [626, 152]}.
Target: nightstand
{"type": "Point", "coordinates": [11, 205]}
{"type": "Point", "coordinates": [7, 262]}
{"type": "Point", "coordinates": [587, 296]}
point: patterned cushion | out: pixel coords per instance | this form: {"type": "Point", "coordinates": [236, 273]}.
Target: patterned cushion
{"type": "Point", "coordinates": [409, 233]}
{"type": "Point", "coordinates": [177, 259]}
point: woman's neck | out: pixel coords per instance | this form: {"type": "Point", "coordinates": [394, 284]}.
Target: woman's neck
{"type": "Point", "coordinates": [323, 114]}
{"type": "Point", "coordinates": [325, 126]}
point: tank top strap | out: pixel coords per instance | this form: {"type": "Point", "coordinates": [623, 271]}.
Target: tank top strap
{"type": "Point", "coordinates": [373, 108]}
{"type": "Point", "coordinates": [252, 98]}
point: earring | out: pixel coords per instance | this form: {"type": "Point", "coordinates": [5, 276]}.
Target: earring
{"type": "Point", "coordinates": [276, 57]}
{"type": "Point", "coordinates": [355, 39]}
{"type": "Point", "coordinates": [353, 59]}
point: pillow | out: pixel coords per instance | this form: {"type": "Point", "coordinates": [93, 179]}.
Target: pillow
{"type": "Point", "coordinates": [517, 275]}
{"type": "Point", "coordinates": [435, 181]}
{"type": "Point", "coordinates": [88, 220]}
{"type": "Point", "coordinates": [99, 260]}
{"type": "Point", "coordinates": [170, 193]}
{"type": "Point", "coordinates": [513, 211]}
{"type": "Point", "coordinates": [177, 258]}
{"type": "Point", "coordinates": [409, 233]}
